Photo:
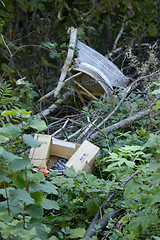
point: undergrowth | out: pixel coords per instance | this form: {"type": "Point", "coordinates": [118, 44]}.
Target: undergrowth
{"type": "Point", "coordinates": [34, 206]}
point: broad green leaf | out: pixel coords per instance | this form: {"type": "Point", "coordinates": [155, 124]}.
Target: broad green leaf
{"type": "Point", "coordinates": [155, 237]}
{"type": "Point", "coordinates": [37, 196]}
{"type": "Point", "coordinates": [157, 105]}
{"type": "Point", "coordinates": [9, 112]}
{"type": "Point", "coordinates": [153, 141]}
{"type": "Point", "coordinates": [41, 229]}
{"type": "Point", "coordinates": [44, 187]}
{"type": "Point", "coordinates": [53, 238]}
{"type": "Point", "coordinates": [3, 139]}
{"type": "Point", "coordinates": [63, 45]}
{"type": "Point", "coordinates": [131, 187]}
{"type": "Point", "coordinates": [155, 199]}
{"type": "Point", "coordinates": [1, 150]}
{"type": "Point", "coordinates": [36, 177]}
{"type": "Point", "coordinates": [19, 164]}
{"type": "Point", "coordinates": [92, 206]}
{"type": "Point", "coordinates": [3, 192]}
{"type": "Point", "coordinates": [133, 148]}
{"type": "Point", "coordinates": [49, 204]}
{"type": "Point", "coordinates": [36, 124]}
{"type": "Point", "coordinates": [154, 166]}
{"type": "Point", "coordinates": [77, 233]}
{"type": "Point", "coordinates": [69, 172]}
{"type": "Point", "coordinates": [3, 175]}
{"type": "Point", "coordinates": [129, 163]}
{"type": "Point", "coordinates": [18, 112]}
{"type": "Point", "coordinates": [24, 114]}
{"type": "Point", "coordinates": [48, 187]}
{"type": "Point", "coordinates": [17, 208]}
{"type": "Point", "coordinates": [52, 54]}
{"type": "Point", "coordinates": [16, 195]}
{"type": "Point", "coordinates": [157, 91]}
{"type": "Point", "coordinates": [30, 141]}
{"type": "Point", "coordinates": [120, 163]}
{"type": "Point", "coordinates": [7, 156]}
{"type": "Point", "coordinates": [3, 206]}
{"type": "Point", "coordinates": [5, 217]}
{"type": "Point", "coordinates": [35, 210]}
{"type": "Point", "coordinates": [10, 130]}
{"type": "Point", "coordinates": [19, 181]}
{"type": "Point", "coordinates": [153, 31]}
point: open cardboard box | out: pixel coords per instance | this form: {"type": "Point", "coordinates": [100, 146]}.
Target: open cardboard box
{"type": "Point", "coordinates": [80, 156]}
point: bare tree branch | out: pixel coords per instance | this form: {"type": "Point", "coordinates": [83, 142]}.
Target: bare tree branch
{"type": "Point", "coordinates": [119, 34]}
{"type": "Point", "coordinates": [128, 91]}
{"type": "Point", "coordinates": [123, 123]}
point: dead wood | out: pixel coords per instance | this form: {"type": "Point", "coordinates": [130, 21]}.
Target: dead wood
{"type": "Point", "coordinates": [123, 123]}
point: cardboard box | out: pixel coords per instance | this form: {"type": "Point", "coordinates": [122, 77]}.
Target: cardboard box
{"type": "Point", "coordinates": [80, 156]}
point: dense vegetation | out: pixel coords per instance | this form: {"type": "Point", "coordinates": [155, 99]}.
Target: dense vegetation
{"type": "Point", "coordinates": [121, 198]}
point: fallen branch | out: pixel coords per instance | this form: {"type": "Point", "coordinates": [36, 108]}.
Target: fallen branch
{"type": "Point", "coordinates": [86, 129]}
{"type": "Point", "coordinates": [91, 231]}
{"type": "Point", "coordinates": [122, 123]}
{"type": "Point", "coordinates": [128, 91]}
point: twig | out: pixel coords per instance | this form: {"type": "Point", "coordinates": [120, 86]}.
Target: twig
{"type": "Point", "coordinates": [52, 92]}
{"type": "Point", "coordinates": [59, 130]}
{"type": "Point", "coordinates": [73, 135]}
{"type": "Point", "coordinates": [88, 93]}
{"type": "Point", "coordinates": [10, 53]}
{"type": "Point", "coordinates": [86, 129]}
{"type": "Point", "coordinates": [53, 106]}
{"type": "Point", "coordinates": [119, 34]}
{"type": "Point", "coordinates": [10, 60]}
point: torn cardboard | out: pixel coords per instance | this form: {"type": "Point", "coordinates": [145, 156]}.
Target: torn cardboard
{"type": "Point", "coordinates": [80, 156]}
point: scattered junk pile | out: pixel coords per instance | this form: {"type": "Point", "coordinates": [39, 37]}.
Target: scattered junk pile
{"type": "Point", "coordinates": [58, 154]}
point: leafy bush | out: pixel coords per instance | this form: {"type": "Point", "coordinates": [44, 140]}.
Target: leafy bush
{"type": "Point", "coordinates": [23, 194]}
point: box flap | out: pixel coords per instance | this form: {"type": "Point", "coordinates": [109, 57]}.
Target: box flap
{"type": "Point", "coordinates": [38, 155]}
{"type": "Point", "coordinates": [62, 148]}
{"type": "Point", "coordinates": [85, 154]}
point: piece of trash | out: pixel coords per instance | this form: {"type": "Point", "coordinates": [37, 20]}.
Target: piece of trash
{"type": "Point", "coordinates": [59, 155]}
{"type": "Point", "coordinates": [45, 171]}
{"type": "Point", "coordinates": [60, 164]}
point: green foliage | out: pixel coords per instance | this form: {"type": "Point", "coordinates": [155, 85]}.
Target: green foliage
{"type": "Point", "coordinates": [23, 194]}
{"type": "Point", "coordinates": [156, 92]}
{"type": "Point", "coordinates": [141, 194]}
{"type": "Point", "coordinates": [78, 194]}
{"type": "Point", "coordinates": [7, 100]}
{"type": "Point", "coordinates": [53, 208]}
{"type": "Point", "coordinates": [33, 47]}
{"type": "Point", "coordinates": [55, 50]}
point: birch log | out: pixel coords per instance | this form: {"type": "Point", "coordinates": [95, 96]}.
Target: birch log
{"type": "Point", "coordinates": [68, 61]}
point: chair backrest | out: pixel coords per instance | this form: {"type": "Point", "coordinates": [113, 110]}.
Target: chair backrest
{"type": "Point", "coordinates": [89, 61]}
{"type": "Point", "coordinates": [87, 55]}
